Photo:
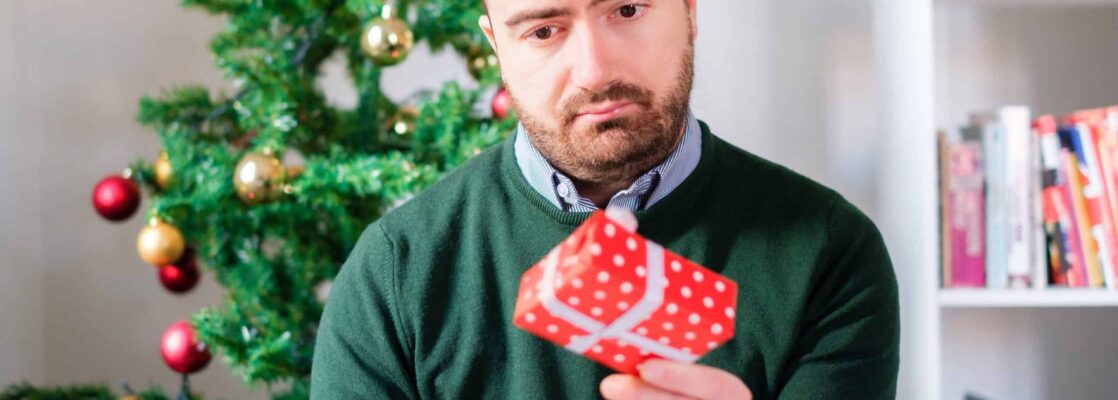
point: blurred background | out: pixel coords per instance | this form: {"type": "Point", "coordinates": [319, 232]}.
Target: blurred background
{"type": "Point", "coordinates": [847, 92]}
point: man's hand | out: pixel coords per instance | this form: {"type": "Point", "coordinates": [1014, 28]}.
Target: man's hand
{"type": "Point", "coordinates": [662, 379]}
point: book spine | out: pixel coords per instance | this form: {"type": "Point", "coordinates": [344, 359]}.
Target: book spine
{"type": "Point", "coordinates": [1092, 126]}
{"type": "Point", "coordinates": [1088, 188]}
{"type": "Point", "coordinates": [1016, 128]}
{"type": "Point", "coordinates": [945, 215]}
{"type": "Point", "coordinates": [968, 247]}
{"type": "Point", "coordinates": [1058, 244]}
{"type": "Point", "coordinates": [1070, 139]}
{"type": "Point", "coordinates": [997, 232]}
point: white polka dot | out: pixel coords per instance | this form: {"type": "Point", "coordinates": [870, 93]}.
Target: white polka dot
{"type": "Point", "coordinates": [697, 276]}
{"type": "Point", "coordinates": [664, 281]}
{"type": "Point", "coordinates": [642, 331]}
{"type": "Point", "coordinates": [618, 260]}
{"type": "Point", "coordinates": [559, 283]}
{"type": "Point", "coordinates": [622, 343]}
{"type": "Point", "coordinates": [676, 266]}
{"type": "Point", "coordinates": [600, 295]}
{"type": "Point", "coordinates": [693, 319]}
{"type": "Point", "coordinates": [573, 301]}
{"type": "Point", "coordinates": [712, 345]}
{"type": "Point", "coordinates": [610, 230]}
{"type": "Point", "coordinates": [665, 340]}
{"type": "Point", "coordinates": [708, 302]}
{"type": "Point", "coordinates": [603, 277]}
{"type": "Point", "coordinates": [668, 326]}
{"type": "Point", "coordinates": [689, 335]}
{"type": "Point", "coordinates": [531, 318]}
{"type": "Point", "coordinates": [716, 329]}
{"type": "Point", "coordinates": [644, 352]}
{"type": "Point", "coordinates": [619, 358]}
{"type": "Point", "coordinates": [552, 328]}
{"type": "Point", "coordinates": [626, 287]}
{"type": "Point", "coordinates": [539, 285]}
{"type": "Point", "coordinates": [597, 349]}
{"type": "Point", "coordinates": [595, 249]}
{"type": "Point", "coordinates": [672, 308]}
{"type": "Point", "coordinates": [596, 311]}
{"type": "Point", "coordinates": [622, 306]}
{"type": "Point", "coordinates": [527, 294]}
{"type": "Point", "coordinates": [571, 241]}
{"type": "Point", "coordinates": [729, 312]}
{"type": "Point", "coordinates": [631, 244]}
{"type": "Point", "coordinates": [640, 271]}
{"type": "Point", "coordinates": [686, 350]}
{"type": "Point", "coordinates": [577, 283]}
{"type": "Point", "coordinates": [686, 292]}
{"type": "Point", "coordinates": [719, 286]}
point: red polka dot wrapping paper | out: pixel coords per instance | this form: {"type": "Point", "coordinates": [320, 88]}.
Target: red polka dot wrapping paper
{"type": "Point", "coordinates": [619, 299]}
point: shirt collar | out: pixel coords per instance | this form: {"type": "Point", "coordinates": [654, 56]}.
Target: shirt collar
{"type": "Point", "coordinates": [647, 190]}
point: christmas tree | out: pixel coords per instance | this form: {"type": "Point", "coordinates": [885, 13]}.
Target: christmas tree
{"type": "Point", "coordinates": [269, 187]}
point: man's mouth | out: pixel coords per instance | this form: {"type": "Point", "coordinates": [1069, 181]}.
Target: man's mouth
{"type": "Point", "coordinates": [604, 111]}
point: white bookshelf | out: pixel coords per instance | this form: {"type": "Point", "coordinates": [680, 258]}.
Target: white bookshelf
{"type": "Point", "coordinates": [1026, 298]}
{"type": "Point", "coordinates": [936, 61]}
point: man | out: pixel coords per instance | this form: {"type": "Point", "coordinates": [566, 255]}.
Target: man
{"type": "Point", "coordinates": [423, 307]}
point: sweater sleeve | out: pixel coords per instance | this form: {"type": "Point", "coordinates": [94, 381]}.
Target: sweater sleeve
{"type": "Point", "coordinates": [850, 341]}
{"type": "Point", "coordinates": [360, 351]}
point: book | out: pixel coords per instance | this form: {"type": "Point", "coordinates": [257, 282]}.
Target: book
{"type": "Point", "coordinates": [1091, 125]}
{"type": "Point", "coordinates": [1016, 128]}
{"type": "Point", "coordinates": [1055, 204]}
{"type": "Point", "coordinates": [965, 215]}
{"type": "Point", "coordinates": [943, 162]}
{"type": "Point", "coordinates": [1072, 151]}
{"type": "Point", "coordinates": [996, 201]}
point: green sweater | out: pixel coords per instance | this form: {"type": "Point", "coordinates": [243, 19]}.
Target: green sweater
{"type": "Point", "coordinates": [423, 306]}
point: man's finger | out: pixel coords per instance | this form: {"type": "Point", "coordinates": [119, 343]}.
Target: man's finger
{"type": "Point", "coordinates": [693, 380]}
{"type": "Point", "coordinates": [626, 387]}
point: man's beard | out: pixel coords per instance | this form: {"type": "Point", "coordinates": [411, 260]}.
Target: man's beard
{"type": "Point", "coordinates": [619, 149]}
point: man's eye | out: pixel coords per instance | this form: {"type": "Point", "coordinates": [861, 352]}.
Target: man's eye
{"type": "Point", "coordinates": [543, 33]}
{"type": "Point", "coordinates": [631, 11]}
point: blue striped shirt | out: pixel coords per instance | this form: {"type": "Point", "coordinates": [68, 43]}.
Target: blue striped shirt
{"type": "Point", "coordinates": [647, 190]}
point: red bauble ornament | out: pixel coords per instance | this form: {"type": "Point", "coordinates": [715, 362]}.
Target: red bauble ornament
{"type": "Point", "coordinates": [181, 349]}
{"type": "Point", "coordinates": [116, 198]}
{"type": "Point", "coordinates": [181, 276]}
{"type": "Point", "coordinates": [501, 103]}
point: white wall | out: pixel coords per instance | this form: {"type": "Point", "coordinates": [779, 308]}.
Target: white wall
{"type": "Point", "coordinates": [21, 344]}
{"type": "Point", "coordinates": [791, 80]}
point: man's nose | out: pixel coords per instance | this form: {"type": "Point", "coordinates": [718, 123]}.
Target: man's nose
{"type": "Point", "coordinates": [593, 68]}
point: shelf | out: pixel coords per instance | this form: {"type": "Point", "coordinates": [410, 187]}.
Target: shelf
{"type": "Point", "coordinates": [1027, 298]}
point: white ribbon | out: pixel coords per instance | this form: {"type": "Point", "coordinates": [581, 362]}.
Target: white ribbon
{"type": "Point", "coordinates": [620, 328]}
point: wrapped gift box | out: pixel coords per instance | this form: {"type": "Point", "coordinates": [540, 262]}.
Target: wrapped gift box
{"type": "Point", "coordinates": [613, 296]}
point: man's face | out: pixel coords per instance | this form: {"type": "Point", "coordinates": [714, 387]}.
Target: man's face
{"type": "Point", "coordinates": [601, 86]}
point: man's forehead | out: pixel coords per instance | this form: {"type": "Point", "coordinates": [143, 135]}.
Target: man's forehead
{"type": "Point", "coordinates": [513, 6]}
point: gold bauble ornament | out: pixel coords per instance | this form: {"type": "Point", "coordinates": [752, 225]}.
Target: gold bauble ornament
{"type": "Point", "coordinates": [387, 40]}
{"type": "Point", "coordinates": [160, 243]}
{"type": "Point", "coordinates": [400, 128]}
{"type": "Point", "coordinates": [259, 178]}
{"type": "Point", "coordinates": [479, 61]}
{"type": "Point", "coordinates": [163, 172]}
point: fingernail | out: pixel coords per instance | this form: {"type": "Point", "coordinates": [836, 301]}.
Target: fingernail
{"type": "Point", "coordinates": [609, 386]}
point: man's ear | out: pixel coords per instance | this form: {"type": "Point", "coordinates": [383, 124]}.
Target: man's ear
{"type": "Point", "coordinates": [486, 26]}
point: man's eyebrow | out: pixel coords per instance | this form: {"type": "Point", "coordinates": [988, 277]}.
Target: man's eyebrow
{"type": "Point", "coordinates": [541, 13]}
